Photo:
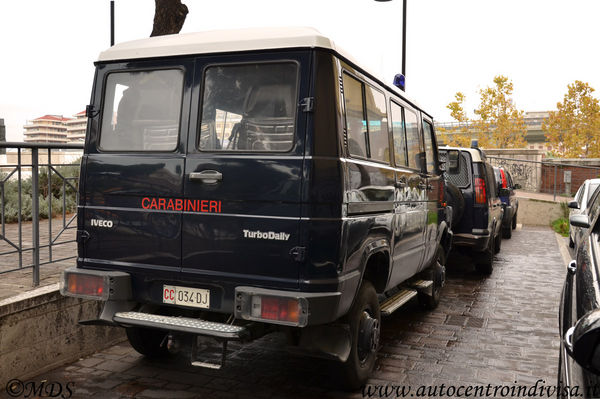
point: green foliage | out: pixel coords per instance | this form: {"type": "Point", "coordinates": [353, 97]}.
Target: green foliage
{"type": "Point", "coordinates": [561, 226]}
{"type": "Point", "coordinates": [11, 194]}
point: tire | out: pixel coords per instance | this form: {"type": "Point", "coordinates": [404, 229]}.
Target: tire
{"type": "Point", "coordinates": [455, 199]}
{"type": "Point", "coordinates": [364, 319]}
{"type": "Point", "coordinates": [514, 222]}
{"type": "Point", "coordinates": [436, 272]}
{"type": "Point", "coordinates": [485, 260]}
{"type": "Point", "coordinates": [497, 244]}
{"type": "Point", "coordinates": [147, 341]}
{"type": "Point", "coordinates": [507, 232]}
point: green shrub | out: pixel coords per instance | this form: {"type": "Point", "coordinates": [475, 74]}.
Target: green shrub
{"type": "Point", "coordinates": [561, 226]}
{"type": "Point", "coordinates": [11, 194]}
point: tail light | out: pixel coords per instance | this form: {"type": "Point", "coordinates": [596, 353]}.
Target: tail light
{"type": "Point", "coordinates": [291, 311]}
{"type": "Point", "coordinates": [480, 195]}
{"type": "Point", "coordinates": [85, 286]}
{"type": "Point", "coordinates": [503, 176]}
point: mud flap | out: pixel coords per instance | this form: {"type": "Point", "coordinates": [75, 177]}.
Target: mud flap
{"type": "Point", "coordinates": [328, 341]}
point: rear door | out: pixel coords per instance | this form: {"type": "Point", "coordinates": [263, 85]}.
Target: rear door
{"type": "Point", "coordinates": [433, 192]}
{"type": "Point", "coordinates": [410, 206]}
{"type": "Point", "coordinates": [135, 166]}
{"type": "Point", "coordinates": [243, 176]}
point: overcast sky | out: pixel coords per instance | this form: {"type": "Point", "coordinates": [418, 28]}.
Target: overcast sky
{"type": "Point", "coordinates": [47, 48]}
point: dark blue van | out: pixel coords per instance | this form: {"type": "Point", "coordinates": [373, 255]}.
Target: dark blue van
{"type": "Point", "coordinates": [236, 183]}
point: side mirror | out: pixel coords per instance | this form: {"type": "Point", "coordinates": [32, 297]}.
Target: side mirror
{"type": "Point", "coordinates": [517, 186]}
{"type": "Point", "coordinates": [503, 192]}
{"type": "Point", "coordinates": [582, 341]}
{"type": "Point", "coordinates": [580, 221]}
{"type": "Point", "coordinates": [573, 204]}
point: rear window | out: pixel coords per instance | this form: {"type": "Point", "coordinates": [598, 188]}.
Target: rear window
{"type": "Point", "coordinates": [141, 111]}
{"type": "Point", "coordinates": [249, 108]}
{"type": "Point", "coordinates": [462, 176]}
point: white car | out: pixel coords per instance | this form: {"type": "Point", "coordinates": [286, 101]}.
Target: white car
{"type": "Point", "coordinates": [579, 205]}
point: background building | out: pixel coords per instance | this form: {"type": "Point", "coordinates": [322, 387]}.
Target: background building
{"type": "Point", "coordinates": [76, 128]}
{"type": "Point", "coordinates": [56, 129]}
{"type": "Point", "coordinates": [46, 129]}
{"type": "Point", "coordinates": [535, 137]}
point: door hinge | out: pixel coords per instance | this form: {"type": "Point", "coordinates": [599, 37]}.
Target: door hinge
{"type": "Point", "coordinates": [297, 253]}
{"type": "Point", "coordinates": [307, 104]}
{"type": "Point", "coordinates": [82, 236]}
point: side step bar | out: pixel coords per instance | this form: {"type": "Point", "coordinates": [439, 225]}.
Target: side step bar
{"type": "Point", "coordinates": [393, 303]}
{"type": "Point", "coordinates": [181, 324]}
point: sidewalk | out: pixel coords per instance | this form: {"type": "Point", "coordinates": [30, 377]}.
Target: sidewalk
{"type": "Point", "coordinates": [20, 281]}
{"type": "Point", "coordinates": [541, 196]}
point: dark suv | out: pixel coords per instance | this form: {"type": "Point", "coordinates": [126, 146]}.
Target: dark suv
{"type": "Point", "coordinates": [231, 188]}
{"type": "Point", "coordinates": [510, 203]}
{"type": "Point", "coordinates": [476, 207]}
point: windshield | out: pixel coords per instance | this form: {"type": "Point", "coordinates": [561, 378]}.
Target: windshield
{"type": "Point", "coordinates": [141, 111]}
{"type": "Point", "coordinates": [250, 107]}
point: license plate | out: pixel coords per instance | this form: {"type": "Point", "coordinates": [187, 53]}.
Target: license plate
{"type": "Point", "coordinates": [186, 296]}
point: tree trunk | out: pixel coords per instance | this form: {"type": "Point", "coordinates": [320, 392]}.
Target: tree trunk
{"type": "Point", "coordinates": [169, 17]}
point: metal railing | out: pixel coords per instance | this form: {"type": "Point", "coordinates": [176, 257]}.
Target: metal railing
{"type": "Point", "coordinates": [547, 176]}
{"type": "Point", "coordinates": [21, 167]}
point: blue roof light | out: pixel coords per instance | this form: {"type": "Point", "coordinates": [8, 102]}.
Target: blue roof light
{"type": "Point", "coordinates": [400, 81]}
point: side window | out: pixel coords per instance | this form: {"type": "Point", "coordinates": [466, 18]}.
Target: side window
{"type": "Point", "coordinates": [141, 111]}
{"type": "Point", "coordinates": [250, 108]}
{"type": "Point", "coordinates": [579, 195]}
{"type": "Point", "coordinates": [429, 150]}
{"type": "Point", "coordinates": [356, 126]}
{"type": "Point", "coordinates": [379, 144]}
{"type": "Point", "coordinates": [492, 184]}
{"type": "Point", "coordinates": [413, 140]}
{"type": "Point", "coordinates": [398, 135]}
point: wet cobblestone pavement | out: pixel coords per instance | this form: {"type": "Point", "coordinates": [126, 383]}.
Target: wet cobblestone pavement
{"type": "Point", "coordinates": [496, 330]}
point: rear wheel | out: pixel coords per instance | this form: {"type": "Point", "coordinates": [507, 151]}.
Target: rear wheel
{"type": "Point", "coordinates": [497, 243]}
{"type": "Point", "coordinates": [507, 231]}
{"type": "Point", "coordinates": [436, 274]}
{"type": "Point", "coordinates": [148, 342]}
{"type": "Point", "coordinates": [485, 260]}
{"type": "Point", "coordinates": [364, 319]}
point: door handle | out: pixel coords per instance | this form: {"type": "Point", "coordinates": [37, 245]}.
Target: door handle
{"type": "Point", "coordinates": [207, 176]}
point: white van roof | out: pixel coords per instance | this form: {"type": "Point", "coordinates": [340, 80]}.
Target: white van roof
{"type": "Point", "coordinates": [219, 41]}
{"type": "Point", "coordinates": [227, 41]}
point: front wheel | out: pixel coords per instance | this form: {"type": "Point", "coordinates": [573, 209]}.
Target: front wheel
{"type": "Point", "coordinates": [364, 319]}
{"type": "Point", "coordinates": [436, 274]}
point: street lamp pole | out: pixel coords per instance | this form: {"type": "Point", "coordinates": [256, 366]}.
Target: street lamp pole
{"type": "Point", "coordinates": [112, 23]}
{"type": "Point", "coordinates": [401, 81]}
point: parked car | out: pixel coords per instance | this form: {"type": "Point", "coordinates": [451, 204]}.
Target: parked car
{"type": "Point", "coordinates": [510, 203]}
{"type": "Point", "coordinates": [579, 205]}
{"type": "Point", "coordinates": [579, 310]}
{"type": "Point", "coordinates": [232, 188]}
{"type": "Point", "coordinates": [477, 211]}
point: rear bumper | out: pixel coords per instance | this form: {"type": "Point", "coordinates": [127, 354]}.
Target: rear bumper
{"type": "Point", "coordinates": [317, 307]}
{"type": "Point", "coordinates": [477, 242]}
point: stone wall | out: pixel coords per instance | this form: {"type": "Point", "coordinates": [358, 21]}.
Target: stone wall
{"type": "Point", "coordinates": [39, 331]}
{"type": "Point", "coordinates": [525, 166]}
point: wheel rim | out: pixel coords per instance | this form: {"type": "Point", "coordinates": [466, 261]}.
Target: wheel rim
{"type": "Point", "coordinates": [368, 336]}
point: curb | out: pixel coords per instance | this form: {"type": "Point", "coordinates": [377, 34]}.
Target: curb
{"type": "Point", "coordinates": [564, 250]}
